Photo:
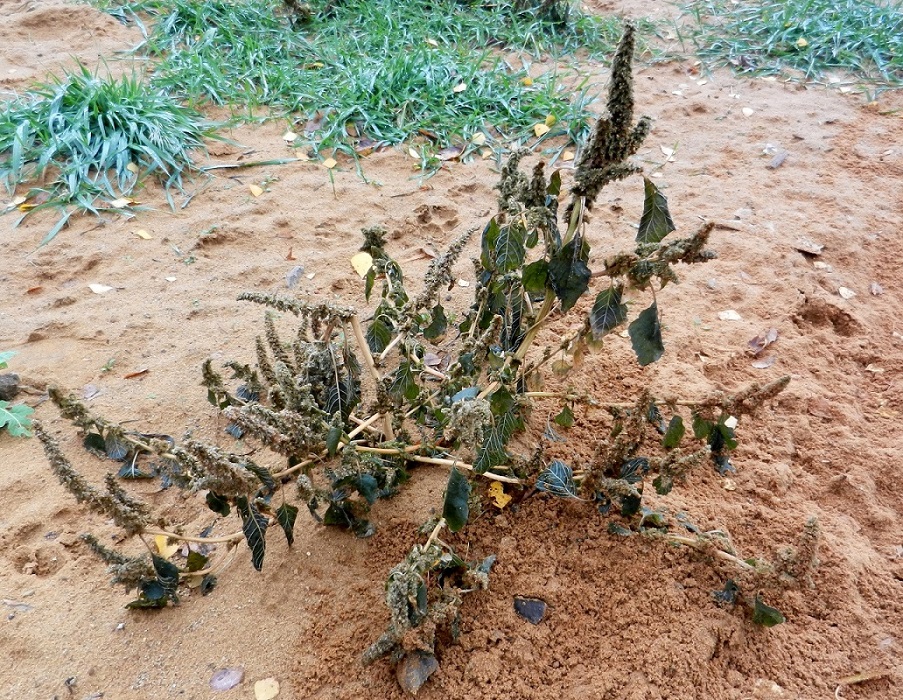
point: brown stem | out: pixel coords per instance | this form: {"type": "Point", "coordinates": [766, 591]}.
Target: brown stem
{"type": "Point", "coordinates": [371, 366]}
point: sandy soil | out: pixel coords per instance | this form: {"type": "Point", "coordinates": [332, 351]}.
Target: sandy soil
{"type": "Point", "coordinates": [628, 618]}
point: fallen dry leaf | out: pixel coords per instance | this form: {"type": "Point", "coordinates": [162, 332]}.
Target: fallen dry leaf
{"type": "Point", "coordinates": [34, 290]}
{"type": "Point", "coordinates": [330, 163]}
{"type": "Point", "coordinates": [289, 136]}
{"type": "Point", "coordinates": [568, 155]}
{"type": "Point", "coordinates": [267, 689]}
{"type": "Point", "coordinates": [498, 495]}
{"type": "Point", "coordinates": [132, 168]}
{"type": "Point", "coordinates": [460, 87]}
{"type": "Point", "coordinates": [164, 549]}
{"type": "Point", "coordinates": [872, 368]}
{"type": "Point", "coordinates": [478, 138]}
{"type": "Point", "coordinates": [876, 289]}
{"type": "Point", "coordinates": [99, 288]}
{"type": "Point", "coordinates": [669, 153]}
{"type": "Point", "coordinates": [729, 315]}
{"type": "Point", "coordinates": [748, 111]}
{"type": "Point", "coordinates": [762, 341]}
{"type": "Point", "coordinates": [550, 120]}
{"type": "Point", "coordinates": [846, 292]}
{"type": "Point", "coordinates": [142, 234]}
{"type": "Point", "coordinates": [541, 129]}
{"type": "Point", "coordinates": [256, 190]}
{"type": "Point", "coordinates": [138, 373]}
{"type": "Point", "coordinates": [122, 202]}
{"type": "Point", "coordinates": [450, 153]}
{"type": "Point", "coordinates": [764, 363]}
{"type": "Point", "coordinates": [362, 262]}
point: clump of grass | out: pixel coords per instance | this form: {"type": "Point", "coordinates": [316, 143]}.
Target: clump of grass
{"type": "Point", "coordinates": [83, 138]}
{"type": "Point", "coordinates": [394, 69]}
{"type": "Point", "coordinates": [812, 36]}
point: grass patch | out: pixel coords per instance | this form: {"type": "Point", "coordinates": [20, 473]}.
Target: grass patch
{"type": "Point", "coordinates": [84, 138]}
{"type": "Point", "coordinates": [811, 36]}
{"type": "Point", "coordinates": [392, 69]}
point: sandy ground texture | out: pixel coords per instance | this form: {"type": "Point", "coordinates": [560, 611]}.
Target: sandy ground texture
{"type": "Point", "coordinates": [628, 618]}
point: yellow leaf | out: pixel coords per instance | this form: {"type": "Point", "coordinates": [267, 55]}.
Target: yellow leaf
{"type": "Point", "coordinates": [141, 233]}
{"type": "Point", "coordinates": [122, 202]}
{"type": "Point", "coordinates": [301, 155]}
{"type": "Point", "coordinates": [195, 581]}
{"type": "Point", "coordinates": [362, 262]}
{"type": "Point", "coordinates": [550, 120]}
{"type": "Point", "coordinates": [432, 42]}
{"type": "Point", "coordinates": [329, 163]}
{"type": "Point", "coordinates": [478, 138]}
{"type": "Point", "coordinates": [497, 494]}
{"type": "Point", "coordinates": [802, 43]}
{"type": "Point", "coordinates": [413, 153]}
{"type": "Point", "coordinates": [99, 288]}
{"type": "Point", "coordinates": [132, 168]}
{"type": "Point", "coordinates": [485, 153]}
{"type": "Point", "coordinates": [267, 689]}
{"type": "Point", "coordinates": [255, 190]}
{"type": "Point", "coordinates": [527, 82]}
{"type": "Point", "coordinates": [164, 549]}
{"type": "Point", "coordinates": [289, 136]}
{"type": "Point", "coordinates": [460, 87]}
{"type": "Point", "coordinates": [567, 155]}
{"type": "Point", "coordinates": [541, 129]}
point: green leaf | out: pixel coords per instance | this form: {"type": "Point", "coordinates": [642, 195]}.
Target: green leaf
{"type": "Point", "coordinates": [509, 248]}
{"type": "Point", "coordinates": [94, 442]}
{"type": "Point", "coordinates": [566, 418]}
{"type": "Point", "coordinates": [167, 575]}
{"type": "Point", "coordinates": [619, 530]}
{"type": "Point", "coordinates": [608, 312]}
{"type": "Point", "coordinates": [196, 561]}
{"type": "Point", "coordinates": [663, 484]}
{"type": "Point", "coordinates": [765, 615]}
{"type": "Point", "coordinates": [5, 357]}
{"type": "Point", "coordinates": [701, 427]}
{"type": "Point", "coordinates": [116, 448]}
{"type": "Point", "coordinates": [557, 479]}
{"type": "Point", "coordinates": [675, 433]}
{"type": "Point", "coordinates": [487, 244]}
{"type": "Point", "coordinates": [535, 276]}
{"type": "Point", "coordinates": [656, 221]}
{"type": "Point", "coordinates": [438, 325]}
{"type": "Point", "coordinates": [369, 281]}
{"type": "Point", "coordinates": [403, 383]}
{"type": "Point", "coordinates": [568, 272]}
{"type": "Point", "coordinates": [554, 187]}
{"type": "Point", "coordinates": [131, 470]}
{"type": "Point", "coordinates": [285, 516]}
{"type": "Point", "coordinates": [646, 336]}
{"type": "Point", "coordinates": [16, 419]}
{"type": "Point", "coordinates": [379, 335]}
{"type": "Point", "coordinates": [218, 504]}
{"type": "Point", "coordinates": [333, 438]}
{"type": "Point", "coordinates": [254, 527]}
{"type": "Point", "coordinates": [456, 508]}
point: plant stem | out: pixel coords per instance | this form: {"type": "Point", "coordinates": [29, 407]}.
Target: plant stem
{"type": "Point", "coordinates": [200, 540]}
{"type": "Point", "coordinates": [704, 546]}
{"type": "Point", "coordinates": [435, 533]}
{"type": "Point", "coordinates": [368, 359]}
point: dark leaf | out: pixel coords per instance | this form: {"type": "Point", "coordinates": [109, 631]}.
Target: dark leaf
{"type": "Point", "coordinates": [368, 282]}
{"type": "Point", "coordinates": [403, 384]}
{"type": "Point", "coordinates": [234, 430]}
{"type": "Point", "coordinates": [379, 335]}
{"type": "Point", "coordinates": [656, 221]}
{"type": "Point", "coordinates": [368, 487]}
{"type": "Point", "coordinates": [630, 505]}
{"type": "Point", "coordinates": [633, 470]}
{"type": "Point", "coordinates": [675, 432]}
{"type": "Point", "coordinates": [646, 336]}
{"type": "Point", "coordinates": [152, 589]}
{"type": "Point", "coordinates": [531, 609]}
{"type": "Point", "coordinates": [535, 276]}
{"type": "Point", "coordinates": [568, 272]}
{"type": "Point", "coordinates": [208, 583]}
{"type": "Point", "coordinates": [654, 417]}
{"type": "Point", "coordinates": [341, 398]}
{"type": "Point", "coordinates": [566, 418]}
{"type": "Point", "coordinates": [619, 530]}
{"type": "Point", "coordinates": [246, 394]}
{"type": "Point", "coordinates": [510, 248]}
{"type": "Point", "coordinates": [557, 479]}
{"type": "Point", "coordinates": [438, 325]}
{"type": "Point", "coordinates": [723, 464]}
{"type": "Point", "coordinates": [254, 527]}
{"type": "Point", "coordinates": [167, 575]}
{"type": "Point", "coordinates": [487, 244]}
{"type": "Point", "coordinates": [554, 187]}
{"type": "Point", "coordinates": [456, 508]}
{"type": "Point", "coordinates": [263, 475]}
{"type": "Point", "coordinates": [765, 615]}
{"type": "Point", "coordinates": [196, 561]}
{"type": "Point", "coordinates": [218, 504]}
{"type": "Point", "coordinates": [116, 448]}
{"type": "Point", "coordinates": [701, 427]}
{"type": "Point", "coordinates": [285, 516]}
{"type": "Point", "coordinates": [131, 470]}
{"type": "Point", "coordinates": [94, 442]}
{"type": "Point", "coordinates": [414, 670]}
{"type": "Point", "coordinates": [608, 312]}
{"type": "Point", "coordinates": [663, 484]}
{"type": "Point", "coordinates": [728, 594]}
{"type": "Point", "coordinates": [333, 438]}
{"type": "Point", "coordinates": [652, 518]}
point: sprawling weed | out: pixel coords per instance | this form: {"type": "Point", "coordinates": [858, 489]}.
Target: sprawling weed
{"type": "Point", "coordinates": [808, 35]}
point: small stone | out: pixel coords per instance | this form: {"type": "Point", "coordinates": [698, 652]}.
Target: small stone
{"type": "Point", "coordinates": [414, 670]}
{"type": "Point", "coordinates": [533, 610]}
{"type": "Point", "coordinates": [227, 678]}
{"type": "Point", "coordinates": [9, 386]}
